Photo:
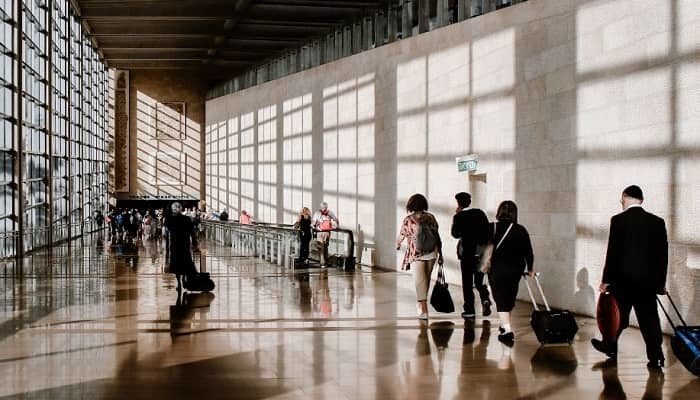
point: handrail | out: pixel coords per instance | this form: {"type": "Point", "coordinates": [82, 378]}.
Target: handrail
{"type": "Point", "coordinates": [275, 242]}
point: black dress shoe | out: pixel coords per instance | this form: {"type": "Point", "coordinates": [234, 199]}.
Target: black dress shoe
{"type": "Point", "coordinates": [501, 330]}
{"type": "Point", "coordinates": [486, 308]}
{"type": "Point", "coordinates": [605, 348]}
{"type": "Point", "coordinates": [655, 364]}
{"type": "Point", "coordinates": [507, 338]}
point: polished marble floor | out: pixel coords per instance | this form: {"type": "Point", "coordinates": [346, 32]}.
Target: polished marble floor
{"type": "Point", "coordinates": [95, 322]}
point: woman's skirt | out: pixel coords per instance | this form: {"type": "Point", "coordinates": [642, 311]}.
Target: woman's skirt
{"type": "Point", "coordinates": [505, 280]}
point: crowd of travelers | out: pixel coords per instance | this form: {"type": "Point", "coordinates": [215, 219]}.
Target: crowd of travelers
{"type": "Point", "coordinates": [635, 267]}
{"type": "Point", "coordinates": [634, 273]}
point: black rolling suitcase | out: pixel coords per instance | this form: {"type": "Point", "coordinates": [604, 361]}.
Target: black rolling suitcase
{"type": "Point", "coordinates": [200, 281]}
{"type": "Point", "coordinates": [551, 326]}
{"type": "Point", "coordinates": [685, 341]}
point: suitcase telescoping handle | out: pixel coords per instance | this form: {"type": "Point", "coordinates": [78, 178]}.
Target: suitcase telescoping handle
{"type": "Point", "coordinates": [668, 317]}
{"type": "Point", "coordinates": [539, 288]}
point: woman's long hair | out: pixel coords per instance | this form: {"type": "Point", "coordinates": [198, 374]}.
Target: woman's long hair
{"type": "Point", "coordinates": [507, 212]}
{"type": "Point", "coordinates": [305, 212]}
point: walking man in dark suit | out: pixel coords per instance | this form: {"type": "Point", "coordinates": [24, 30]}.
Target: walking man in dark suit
{"type": "Point", "coordinates": [471, 227]}
{"type": "Point", "coordinates": [635, 272]}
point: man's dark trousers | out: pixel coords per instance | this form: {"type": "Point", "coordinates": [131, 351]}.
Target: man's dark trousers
{"type": "Point", "coordinates": [471, 276]}
{"type": "Point", "coordinates": [646, 310]}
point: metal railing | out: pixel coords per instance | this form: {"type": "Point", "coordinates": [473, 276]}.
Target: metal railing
{"type": "Point", "coordinates": [276, 243]}
{"type": "Point", "coordinates": [38, 238]}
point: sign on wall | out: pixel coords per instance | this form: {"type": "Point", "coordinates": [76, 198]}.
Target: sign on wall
{"type": "Point", "coordinates": [468, 163]}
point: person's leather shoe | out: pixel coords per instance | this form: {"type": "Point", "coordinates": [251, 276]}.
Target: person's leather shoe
{"type": "Point", "coordinates": [605, 348]}
{"type": "Point", "coordinates": [655, 364]}
{"type": "Point", "coordinates": [507, 338]}
{"type": "Point", "coordinates": [486, 308]}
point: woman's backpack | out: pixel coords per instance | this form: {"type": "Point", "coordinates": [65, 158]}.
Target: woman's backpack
{"type": "Point", "coordinates": [426, 235]}
{"type": "Point", "coordinates": [326, 223]}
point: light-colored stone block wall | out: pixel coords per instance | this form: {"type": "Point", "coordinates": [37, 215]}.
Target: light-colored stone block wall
{"type": "Point", "coordinates": [565, 102]}
{"type": "Point", "coordinates": [165, 165]}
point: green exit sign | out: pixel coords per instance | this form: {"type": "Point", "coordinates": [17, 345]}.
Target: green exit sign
{"type": "Point", "coordinates": [468, 163]}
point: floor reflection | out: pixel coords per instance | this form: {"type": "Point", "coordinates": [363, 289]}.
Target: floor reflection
{"type": "Point", "coordinates": [189, 313]}
{"type": "Point", "coordinates": [101, 320]}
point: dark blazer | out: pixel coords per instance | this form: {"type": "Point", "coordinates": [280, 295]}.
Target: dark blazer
{"type": "Point", "coordinates": [637, 256]}
{"type": "Point", "coordinates": [472, 228]}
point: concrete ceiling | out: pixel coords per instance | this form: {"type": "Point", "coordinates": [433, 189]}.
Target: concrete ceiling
{"type": "Point", "coordinates": [218, 38]}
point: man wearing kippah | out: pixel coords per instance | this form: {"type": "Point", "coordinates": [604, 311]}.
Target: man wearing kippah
{"type": "Point", "coordinates": [635, 270]}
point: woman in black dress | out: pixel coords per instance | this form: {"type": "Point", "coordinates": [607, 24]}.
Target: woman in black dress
{"type": "Point", "coordinates": [512, 256]}
{"type": "Point", "coordinates": [181, 240]}
{"type": "Point", "coordinates": [304, 225]}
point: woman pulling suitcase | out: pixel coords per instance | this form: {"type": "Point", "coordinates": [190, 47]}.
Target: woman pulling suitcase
{"type": "Point", "coordinates": [512, 254]}
{"type": "Point", "coordinates": [181, 240]}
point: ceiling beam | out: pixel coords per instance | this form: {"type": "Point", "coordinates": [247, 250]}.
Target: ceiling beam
{"type": "Point", "coordinates": [157, 10]}
{"type": "Point", "coordinates": [183, 63]}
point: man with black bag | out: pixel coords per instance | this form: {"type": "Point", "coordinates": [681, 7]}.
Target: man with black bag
{"type": "Point", "coordinates": [471, 227]}
{"type": "Point", "coordinates": [635, 270]}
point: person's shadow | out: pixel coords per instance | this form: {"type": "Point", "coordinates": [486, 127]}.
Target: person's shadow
{"type": "Point", "coordinates": [554, 361]}
{"type": "Point", "coordinates": [441, 333]}
{"type": "Point", "coordinates": [185, 308]}
{"type": "Point", "coordinates": [612, 387]}
{"type": "Point", "coordinates": [584, 298]}
{"type": "Point", "coordinates": [304, 293]}
{"type": "Point", "coordinates": [689, 391]}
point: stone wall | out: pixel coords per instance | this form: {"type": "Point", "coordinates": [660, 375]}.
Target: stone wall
{"type": "Point", "coordinates": [565, 103]}
{"type": "Point", "coordinates": [166, 116]}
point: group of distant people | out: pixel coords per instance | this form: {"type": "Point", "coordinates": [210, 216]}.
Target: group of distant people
{"type": "Point", "coordinates": [635, 267]}
{"type": "Point", "coordinates": [323, 221]}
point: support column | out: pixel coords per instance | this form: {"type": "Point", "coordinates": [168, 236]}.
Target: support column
{"type": "Point", "coordinates": [392, 20]}
{"type": "Point", "coordinates": [379, 25]}
{"type": "Point", "coordinates": [462, 10]}
{"type": "Point", "coordinates": [443, 13]}
{"type": "Point", "coordinates": [423, 16]}
{"type": "Point", "coordinates": [19, 129]}
{"type": "Point", "coordinates": [407, 19]}
{"type": "Point", "coordinates": [49, 125]}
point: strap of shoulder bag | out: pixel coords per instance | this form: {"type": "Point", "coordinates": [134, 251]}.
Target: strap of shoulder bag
{"type": "Point", "coordinates": [504, 235]}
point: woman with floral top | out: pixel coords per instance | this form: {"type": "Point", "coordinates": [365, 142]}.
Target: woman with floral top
{"type": "Point", "coordinates": [421, 262]}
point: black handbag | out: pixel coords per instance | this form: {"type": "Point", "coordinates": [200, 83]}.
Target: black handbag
{"type": "Point", "coordinates": [441, 300]}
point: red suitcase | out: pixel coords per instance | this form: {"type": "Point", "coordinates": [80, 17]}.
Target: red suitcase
{"type": "Point", "coordinates": [608, 317]}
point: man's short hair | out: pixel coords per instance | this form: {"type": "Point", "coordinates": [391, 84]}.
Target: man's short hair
{"type": "Point", "coordinates": [633, 191]}
{"type": "Point", "coordinates": [464, 199]}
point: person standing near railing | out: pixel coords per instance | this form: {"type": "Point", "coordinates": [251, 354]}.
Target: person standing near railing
{"type": "Point", "coordinates": [303, 224]}
{"type": "Point", "coordinates": [324, 221]}
{"type": "Point", "coordinates": [223, 216]}
{"type": "Point", "coordinates": [245, 218]}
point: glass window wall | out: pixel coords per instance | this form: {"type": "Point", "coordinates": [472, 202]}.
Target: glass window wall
{"type": "Point", "coordinates": [53, 127]}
